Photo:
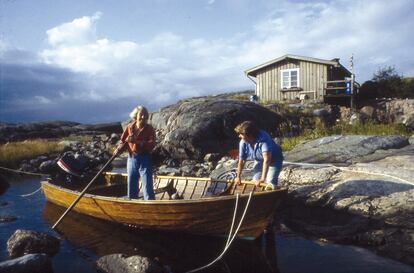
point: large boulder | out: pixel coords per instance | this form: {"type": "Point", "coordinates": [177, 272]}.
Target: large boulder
{"type": "Point", "coordinates": [401, 111]}
{"type": "Point", "coordinates": [398, 111]}
{"type": "Point", "coordinates": [120, 263]}
{"type": "Point", "coordinates": [27, 241]}
{"type": "Point", "coordinates": [30, 263]}
{"type": "Point", "coordinates": [343, 149]}
{"type": "Point", "coordinates": [366, 198]}
{"type": "Point", "coordinates": [193, 128]}
{"type": "Point", "coordinates": [377, 198]}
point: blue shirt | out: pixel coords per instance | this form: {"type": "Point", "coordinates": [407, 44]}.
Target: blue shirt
{"type": "Point", "coordinates": [263, 143]}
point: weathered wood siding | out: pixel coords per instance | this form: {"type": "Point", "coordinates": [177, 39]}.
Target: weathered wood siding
{"type": "Point", "coordinates": [311, 78]}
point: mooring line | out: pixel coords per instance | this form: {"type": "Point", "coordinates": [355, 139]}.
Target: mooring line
{"type": "Point", "coordinates": [29, 173]}
{"type": "Point", "coordinates": [29, 194]}
{"type": "Point", "coordinates": [347, 169]}
{"type": "Point", "coordinates": [23, 172]}
{"type": "Point", "coordinates": [228, 243]}
{"type": "Point", "coordinates": [233, 220]}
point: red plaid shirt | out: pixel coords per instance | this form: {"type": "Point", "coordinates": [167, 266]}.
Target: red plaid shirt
{"type": "Point", "coordinates": [143, 140]}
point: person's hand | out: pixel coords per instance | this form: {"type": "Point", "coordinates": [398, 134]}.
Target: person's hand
{"type": "Point", "coordinates": [257, 182]}
{"type": "Point", "coordinates": [129, 139]}
{"type": "Point", "coordinates": [237, 180]}
{"type": "Point", "coordinates": [118, 148]}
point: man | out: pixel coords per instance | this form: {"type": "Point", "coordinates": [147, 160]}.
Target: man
{"type": "Point", "coordinates": [258, 145]}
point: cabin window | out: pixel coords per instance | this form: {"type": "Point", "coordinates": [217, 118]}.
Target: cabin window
{"type": "Point", "coordinates": [290, 78]}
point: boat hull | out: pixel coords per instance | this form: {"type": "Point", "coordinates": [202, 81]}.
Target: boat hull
{"type": "Point", "coordinates": [205, 216]}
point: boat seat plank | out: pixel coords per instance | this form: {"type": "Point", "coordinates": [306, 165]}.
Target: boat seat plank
{"type": "Point", "coordinates": [204, 188]}
{"type": "Point", "coordinates": [244, 188]}
{"type": "Point", "coordinates": [194, 188]}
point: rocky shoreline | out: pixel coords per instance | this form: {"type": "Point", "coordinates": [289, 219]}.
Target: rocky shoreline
{"type": "Point", "coordinates": [374, 193]}
{"type": "Point", "coordinates": [10, 132]}
{"type": "Point", "coordinates": [347, 189]}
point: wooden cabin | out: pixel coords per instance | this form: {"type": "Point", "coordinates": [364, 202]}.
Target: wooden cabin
{"type": "Point", "coordinates": [293, 77]}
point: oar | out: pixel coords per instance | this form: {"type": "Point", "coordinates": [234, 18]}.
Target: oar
{"type": "Point", "coordinates": [87, 186]}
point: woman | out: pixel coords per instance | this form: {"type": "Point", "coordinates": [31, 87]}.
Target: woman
{"type": "Point", "coordinates": [258, 145]}
{"type": "Point", "coordinates": [140, 138]}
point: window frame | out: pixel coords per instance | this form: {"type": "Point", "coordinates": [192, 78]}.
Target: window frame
{"type": "Point", "coordinates": [290, 78]}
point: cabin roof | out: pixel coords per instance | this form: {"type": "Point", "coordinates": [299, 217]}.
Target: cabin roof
{"type": "Point", "coordinates": [254, 70]}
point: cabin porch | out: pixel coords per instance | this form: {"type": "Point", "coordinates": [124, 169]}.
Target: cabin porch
{"type": "Point", "coordinates": [340, 92]}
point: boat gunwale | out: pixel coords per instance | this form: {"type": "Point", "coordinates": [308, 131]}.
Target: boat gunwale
{"type": "Point", "coordinates": [161, 202]}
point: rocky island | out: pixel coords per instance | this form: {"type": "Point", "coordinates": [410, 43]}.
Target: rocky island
{"type": "Point", "coordinates": [352, 189]}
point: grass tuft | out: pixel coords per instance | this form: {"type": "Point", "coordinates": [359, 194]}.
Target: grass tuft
{"type": "Point", "coordinates": [342, 128]}
{"type": "Point", "coordinates": [12, 153]}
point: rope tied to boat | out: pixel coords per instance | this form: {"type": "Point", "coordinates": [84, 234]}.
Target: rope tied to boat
{"type": "Point", "coordinates": [229, 241]}
{"type": "Point", "coordinates": [32, 193]}
{"type": "Point", "coordinates": [347, 169]}
{"type": "Point", "coordinates": [23, 172]}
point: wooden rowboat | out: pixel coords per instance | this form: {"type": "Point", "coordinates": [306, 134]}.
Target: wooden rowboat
{"type": "Point", "coordinates": [205, 206]}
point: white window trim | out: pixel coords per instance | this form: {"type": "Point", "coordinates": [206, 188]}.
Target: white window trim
{"type": "Point", "coordinates": [290, 82]}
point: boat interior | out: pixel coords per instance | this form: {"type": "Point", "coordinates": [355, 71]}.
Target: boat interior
{"type": "Point", "coordinates": [170, 187]}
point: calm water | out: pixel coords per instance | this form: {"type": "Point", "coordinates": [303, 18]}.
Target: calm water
{"type": "Point", "coordinates": [84, 239]}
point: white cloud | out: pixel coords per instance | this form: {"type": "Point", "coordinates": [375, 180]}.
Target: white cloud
{"type": "Point", "coordinates": [99, 56]}
{"type": "Point", "coordinates": [79, 31]}
{"type": "Point", "coordinates": [168, 66]}
{"type": "Point", "coordinates": [317, 29]}
{"type": "Point", "coordinates": [372, 30]}
{"type": "Point", "coordinates": [75, 46]}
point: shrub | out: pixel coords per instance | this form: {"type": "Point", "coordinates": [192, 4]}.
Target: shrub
{"type": "Point", "coordinates": [387, 83]}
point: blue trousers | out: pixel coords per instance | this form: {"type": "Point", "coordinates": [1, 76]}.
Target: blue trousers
{"type": "Point", "coordinates": [272, 173]}
{"type": "Point", "coordinates": [140, 166]}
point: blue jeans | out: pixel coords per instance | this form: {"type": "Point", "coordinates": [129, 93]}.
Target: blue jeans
{"type": "Point", "coordinates": [272, 173]}
{"type": "Point", "coordinates": [140, 166]}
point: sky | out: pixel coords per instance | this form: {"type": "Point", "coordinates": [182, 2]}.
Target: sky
{"type": "Point", "coordinates": [93, 61]}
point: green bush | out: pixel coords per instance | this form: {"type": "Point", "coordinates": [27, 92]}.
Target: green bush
{"type": "Point", "coordinates": [387, 83]}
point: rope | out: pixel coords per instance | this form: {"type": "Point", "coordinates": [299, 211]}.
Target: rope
{"type": "Point", "coordinates": [25, 195]}
{"type": "Point", "coordinates": [269, 186]}
{"type": "Point", "coordinates": [381, 174]}
{"type": "Point", "coordinates": [228, 243]}
{"type": "Point", "coordinates": [309, 164]}
{"type": "Point", "coordinates": [23, 172]}
{"type": "Point", "coordinates": [29, 173]}
{"type": "Point", "coordinates": [233, 220]}
{"type": "Point", "coordinates": [348, 169]}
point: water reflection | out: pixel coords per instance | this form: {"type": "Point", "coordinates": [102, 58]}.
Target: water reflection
{"type": "Point", "coordinates": [181, 251]}
{"type": "Point", "coordinates": [269, 251]}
